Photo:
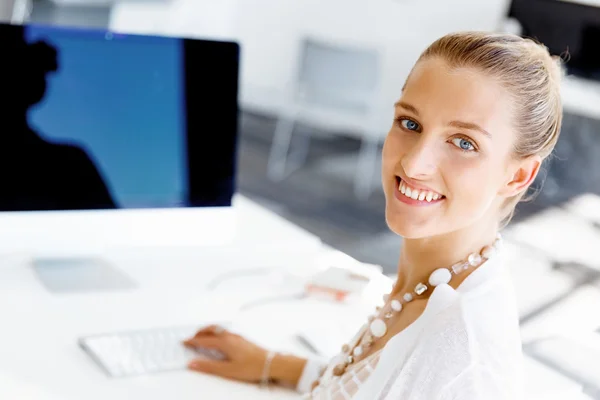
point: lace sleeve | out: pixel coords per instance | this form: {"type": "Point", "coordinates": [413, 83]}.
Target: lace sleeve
{"type": "Point", "coordinates": [311, 372]}
{"type": "Point", "coordinates": [346, 386]}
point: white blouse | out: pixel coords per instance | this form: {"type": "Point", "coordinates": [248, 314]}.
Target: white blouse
{"type": "Point", "coordinates": [465, 345]}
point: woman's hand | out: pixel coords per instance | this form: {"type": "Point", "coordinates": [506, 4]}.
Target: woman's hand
{"type": "Point", "coordinates": [243, 360]}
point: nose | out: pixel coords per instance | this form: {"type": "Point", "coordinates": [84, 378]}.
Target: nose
{"type": "Point", "coordinates": [420, 161]}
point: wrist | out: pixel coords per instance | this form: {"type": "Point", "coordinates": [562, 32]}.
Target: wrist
{"type": "Point", "coordinates": [286, 369]}
{"type": "Point", "coordinates": [266, 378]}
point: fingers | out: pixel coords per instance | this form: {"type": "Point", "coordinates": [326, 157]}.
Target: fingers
{"type": "Point", "coordinates": [219, 368]}
{"type": "Point", "coordinates": [210, 330]}
{"type": "Point", "coordinates": [208, 342]}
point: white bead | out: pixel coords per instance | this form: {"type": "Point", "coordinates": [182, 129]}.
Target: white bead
{"type": "Point", "coordinates": [358, 351]}
{"type": "Point", "coordinates": [378, 328]}
{"type": "Point", "coordinates": [420, 289]}
{"type": "Point", "coordinates": [396, 305]}
{"type": "Point", "coordinates": [440, 276]}
{"type": "Point", "coordinates": [474, 259]}
{"type": "Point", "coordinates": [498, 244]}
{"type": "Point", "coordinates": [407, 297]}
{"type": "Point", "coordinates": [488, 252]}
{"type": "Point", "coordinates": [459, 267]}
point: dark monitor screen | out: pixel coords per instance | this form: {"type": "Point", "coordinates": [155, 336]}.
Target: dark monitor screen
{"type": "Point", "coordinates": [99, 120]}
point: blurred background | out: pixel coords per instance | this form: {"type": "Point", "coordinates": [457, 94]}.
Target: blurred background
{"type": "Point", "coordinates": [319, 78]}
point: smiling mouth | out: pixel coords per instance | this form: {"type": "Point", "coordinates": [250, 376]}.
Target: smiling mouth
{"type": "Point", "coordinates": [414, 194]}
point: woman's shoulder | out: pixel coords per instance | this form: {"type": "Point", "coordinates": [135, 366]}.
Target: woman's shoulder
{"type": "Point", "coordinates": [467, 338]}
{"type": "Point", "coordinates": [479, 321]}
{"type": "Point", "coordinates": [485, 304]}
{"type": "Point", "coordinates": [468, 327]}
{"type": "Point", "coordinates": [449, 357]}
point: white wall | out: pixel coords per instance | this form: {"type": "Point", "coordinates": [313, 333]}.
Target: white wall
{"type": "Point", "coordinates": [270, 32]}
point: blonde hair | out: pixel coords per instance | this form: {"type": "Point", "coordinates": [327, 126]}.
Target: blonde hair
{"type": "Point", "coordinates": [530, 74]}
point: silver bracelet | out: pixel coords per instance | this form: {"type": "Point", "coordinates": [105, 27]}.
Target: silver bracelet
{"type": "Point", "coordinates": [265, 380]}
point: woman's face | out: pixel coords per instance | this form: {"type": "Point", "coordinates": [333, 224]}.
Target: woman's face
{"type": "Point", "coordinates": [447, 160]}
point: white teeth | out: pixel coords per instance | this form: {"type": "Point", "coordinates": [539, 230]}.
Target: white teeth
{"type": "Point", "coordinates": [416, 194]}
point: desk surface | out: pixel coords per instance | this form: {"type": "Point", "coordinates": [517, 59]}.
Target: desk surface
{"type": "Point", "coordinates": [40, 359]}
{"type": "Point", "coordinates": [39, 356]}
{"type": "Point", "coordinates": [40, 330]}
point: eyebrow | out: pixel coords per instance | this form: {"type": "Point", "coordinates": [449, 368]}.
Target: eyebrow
{"type": "Point", "coordinates": [470, 126]}
{"type": "Point", "coordinates": [457, 124]}
{"type": "Point", "coordinates": [407, 107]}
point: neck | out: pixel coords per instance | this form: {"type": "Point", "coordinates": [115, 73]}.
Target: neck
{"type": "Point", "coordinates": [420, 257]}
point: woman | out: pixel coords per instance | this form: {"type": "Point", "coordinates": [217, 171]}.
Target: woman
{"type": "Point", "coordinates": [477, 116]}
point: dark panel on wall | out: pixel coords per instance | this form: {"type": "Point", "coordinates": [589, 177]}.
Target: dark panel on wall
{"type": "Point", "coordinates": [562, 26]}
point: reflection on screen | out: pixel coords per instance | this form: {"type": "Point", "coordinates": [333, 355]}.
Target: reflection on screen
{"type": "Point", "coordinates": [100, 121]}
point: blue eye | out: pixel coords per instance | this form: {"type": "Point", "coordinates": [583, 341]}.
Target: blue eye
{"type": "Point", "coordinates": [409, 124]}
{"type": "Point", "coordinates": [463, 144]}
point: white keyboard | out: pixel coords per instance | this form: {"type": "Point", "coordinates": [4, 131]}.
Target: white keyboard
{"type": "Point", "coordinates": [143, 352]}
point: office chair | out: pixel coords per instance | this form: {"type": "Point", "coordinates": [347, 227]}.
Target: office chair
{"type": "Point", "coordinates": [342, 82]}
{"type": "Point", "coordinates": [14, 11]}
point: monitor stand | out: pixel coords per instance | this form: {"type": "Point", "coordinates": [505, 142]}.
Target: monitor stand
{"type": "Point", "coordinates": [62, 275]}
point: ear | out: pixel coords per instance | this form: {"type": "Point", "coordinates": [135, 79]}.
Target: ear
{"type": "Point", "coordinates": [523, 173]}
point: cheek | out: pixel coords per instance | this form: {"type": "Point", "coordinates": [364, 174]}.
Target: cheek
{"type": "Point", "coordinates": [472, 184]}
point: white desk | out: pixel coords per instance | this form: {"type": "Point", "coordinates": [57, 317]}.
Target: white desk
{"type": "Point", "coordinates": [39, 356]}
{"type": "Point", "coordinates": [40, 359]}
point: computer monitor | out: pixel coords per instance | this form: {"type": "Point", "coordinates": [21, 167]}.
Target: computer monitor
{"type": "Point", "coordinates": [112, 139]}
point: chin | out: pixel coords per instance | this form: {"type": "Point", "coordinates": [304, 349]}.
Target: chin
{"type": "Point", "coordinates": [407, 228]}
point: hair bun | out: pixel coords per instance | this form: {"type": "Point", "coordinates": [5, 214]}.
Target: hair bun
{"type": "Point", "coordinates": [554, 64]}
{"type": "Point", "coordinates": [556, 67]}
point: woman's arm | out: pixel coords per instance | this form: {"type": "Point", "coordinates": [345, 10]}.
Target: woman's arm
{"type": "Point", "coordinates": [297, 372]}
{"type": "Point", "coordinates": [246, 361]}
{"type": "Point", "coordinates": [287, 369]}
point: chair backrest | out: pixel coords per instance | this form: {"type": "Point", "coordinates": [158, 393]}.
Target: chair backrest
{"type": "Point", "coordinates": [6, 10]}
{"type": "Point", "coordinates": [15, 11]}
{"type": "Point", "coordinates": [341, 77]}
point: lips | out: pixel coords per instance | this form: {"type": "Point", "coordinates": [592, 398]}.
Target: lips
{"type": "Point", "coordinates": [416, 194]}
